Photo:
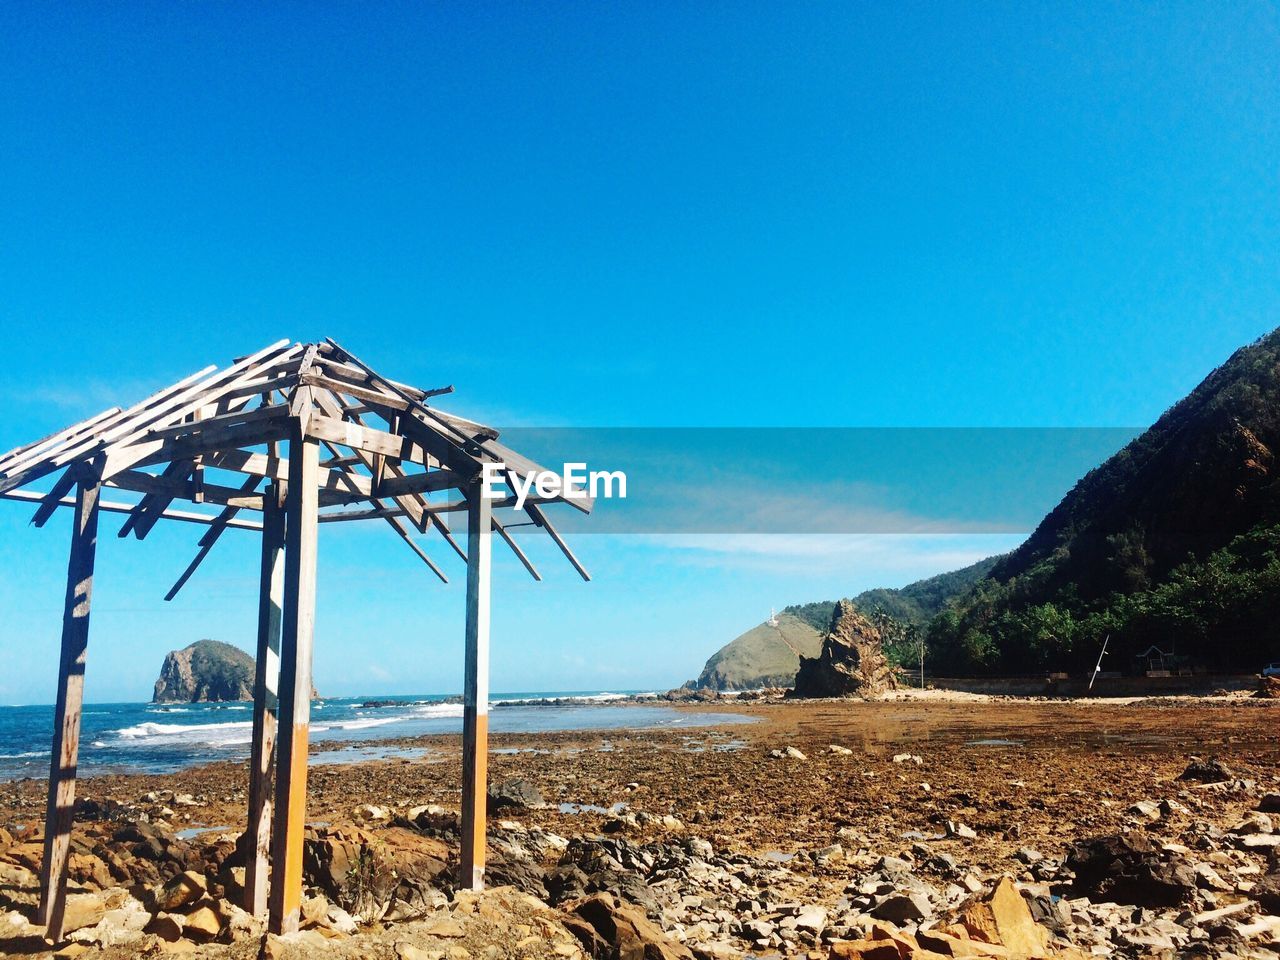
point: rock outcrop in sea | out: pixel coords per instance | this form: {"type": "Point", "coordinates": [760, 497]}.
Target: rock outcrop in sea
{"type": "Point", "coordinates": [852, 661]}
{"type": "Point", "coordinates": [207, 671]}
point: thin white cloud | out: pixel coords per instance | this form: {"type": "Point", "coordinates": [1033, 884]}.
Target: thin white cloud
{"type": "Point", "coordinates": [887, 554]}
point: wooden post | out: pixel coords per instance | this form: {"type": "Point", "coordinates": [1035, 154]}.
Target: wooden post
{"type": "Point", "coordinates": [265, 702]}
{"type": "Point", "coordinates": [66, 732]}
{"type": "Point", "coordinates": [289, 815]}
{"type": "Point", "coordinates": [475, 710]}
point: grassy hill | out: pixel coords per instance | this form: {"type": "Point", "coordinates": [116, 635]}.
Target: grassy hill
{"type": "Point", "coordinates": [764, 656]}
{"type": "Point", "coordinates": [768, 656]}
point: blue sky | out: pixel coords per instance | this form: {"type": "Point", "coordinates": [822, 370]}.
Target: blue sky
{"type": "Point", "coordinates": [613, 215]}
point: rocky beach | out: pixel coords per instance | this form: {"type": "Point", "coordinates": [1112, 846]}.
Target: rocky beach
{"type": "Point", "coordinates": [915, 826]}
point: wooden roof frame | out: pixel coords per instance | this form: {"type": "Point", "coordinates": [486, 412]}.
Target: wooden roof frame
{"type": "Point", "coordinates": [247, 439]}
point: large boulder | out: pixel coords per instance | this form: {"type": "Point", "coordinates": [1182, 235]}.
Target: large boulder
{"type": "Point", "coordinates": [515, 795]}
{"type": "Point", "coordinates": [364, 872]}
{"type": "Point", "coordinates": [611, 930]}
{"type": "Point", "coordinates": [852, 661]}
{"type": "Point", "coordinates": [1129, 868]}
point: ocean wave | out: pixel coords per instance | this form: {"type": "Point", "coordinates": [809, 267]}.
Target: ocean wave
{"type": "Point", "coordinates": [214, 734]}
{"type": "Point", "coordinates": [23, 756]}
{"type": "Point", "coordinates": [568, 699]}
{"type": "Point", "coordinates": [363, 723]}
{"type": "Point", "coordinates": [437, 710]}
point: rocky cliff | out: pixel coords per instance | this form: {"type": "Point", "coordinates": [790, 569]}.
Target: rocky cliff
{"type": "Point", "coordinates": [852, 661]}
{"type": "Point", "coordinates": [208, 670]}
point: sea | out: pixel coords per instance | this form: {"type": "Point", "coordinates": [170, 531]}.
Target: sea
{"type": "Point", "coordinates": [164, 737]}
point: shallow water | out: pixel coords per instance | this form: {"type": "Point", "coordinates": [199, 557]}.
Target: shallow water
{"type": "Point", "coordinates": [161, 738]}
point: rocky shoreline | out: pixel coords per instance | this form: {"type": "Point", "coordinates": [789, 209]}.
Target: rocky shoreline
{"type": "Point", "coordinates": [829, 829]}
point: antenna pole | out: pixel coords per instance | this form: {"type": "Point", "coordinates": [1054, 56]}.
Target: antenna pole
{"type": "Point", "coordinates": [1098, 666]}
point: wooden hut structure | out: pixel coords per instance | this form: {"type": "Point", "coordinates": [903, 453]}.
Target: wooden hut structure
{"type": "Point", "coordinates": [389, 455]}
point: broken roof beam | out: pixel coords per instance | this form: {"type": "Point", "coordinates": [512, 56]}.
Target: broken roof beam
{"type": "Point", "coordinates": [210, 537]}
{"type": "Point", "coordinates": [186, 516]}
{"type": "Point", "coordinates": [171, 404]}
{"type": "Point", "coordinates": [154, 504]}
{"type": "Point", "coordinates": [24, 470]}
{"type": "Point", "coordinates": [219, 440]}
{"type": "Point", "coordinates": [540, 518]}
{"type": "Point", "coordinates": [376, 462]}
{"type": "Point", "coordinates": [134, 446]}
{"type": "Point", "coordinates": [29, 451]}
{"type": "Point", "coordinates": [139, 482]}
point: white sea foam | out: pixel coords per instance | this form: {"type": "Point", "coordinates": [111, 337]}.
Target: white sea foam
{"type": "Point", "coordinates": [23, 756]}
{"type": "Point", "coordinates": [169, 734]}
{"type": "Point", "coordinates": [364, 723]}
{"type": "Point", "coordinates": [437, 710]}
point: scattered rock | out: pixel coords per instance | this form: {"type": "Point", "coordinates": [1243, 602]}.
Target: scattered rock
{"type": "Point", "coordinates": [624, 932]}
{"type": "Point", "coordinates": [1207, 771]}
{"type": "Point", "coordinates": [202, 923]}
{"type": "Point", "coordinates": [1127, 868]}
{"type": "Point", "coordinates": [903, 908]}
{"type": "Point", "coordinates": [187, 887]}
{"type": "Point", "coordinates": [514, 794]}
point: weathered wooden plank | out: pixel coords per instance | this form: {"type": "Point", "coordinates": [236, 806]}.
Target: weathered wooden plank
{"type": "Point", "coordinates": [128, 445]}
{"type": "Point", "coordinates": [289, 815]}
{"type": "Point", "coordinates": [66, 734]}
{"type": "Point", "coordinates": [360, 437]}
{"type": "Point", "coordinates": [265, 702]}
{"type": "Point", "coordinates": [208, 539]}
{"type": "Point", "coordinates": [178, 470]}
{"type": "Point", "coordinates": [25, 470]}
{"type": "Point", "coordinates": [197, 427]}
{"type": "Point", "coordinates": [110, 506]}
{"type": "Point", "coordinates": [140, 482]}
{"type": "Point", "coordinates": [515, 548]}
{"type": "Point", "coordinates": [39, 447]}
{"type": "Point", "coordinates": [146, 453]}
{"type": "Point", "coordinates": [171, 405]}
{"type": "Point", "coordinates": [356, 377]}
{"type": "Point", "coordinates": [540, 518]}
{"type": "Point", "coordinates": [379, 465]}
{"type": "Point", "coordinates": [430, 482]}
{"type": "Point", "coordinates": [475, 692]}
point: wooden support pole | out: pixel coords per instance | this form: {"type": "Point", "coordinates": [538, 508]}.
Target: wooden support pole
{"type": "Point", "coordinates": [475, 710]}
{"type": "Point", "coordinates": [289, 815]}
{"type": "Point", "coordinates": [265, 702]}
{"type": "Point", "coordinates": [66, 733]}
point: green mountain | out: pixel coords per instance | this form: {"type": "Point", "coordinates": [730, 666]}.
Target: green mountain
{"type": "Point", "coordinates": [1173, 542]}
{"type": "Point", "coordinates": [913, 605]}
{"type": "Point", "coordinates": [769, 656]}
